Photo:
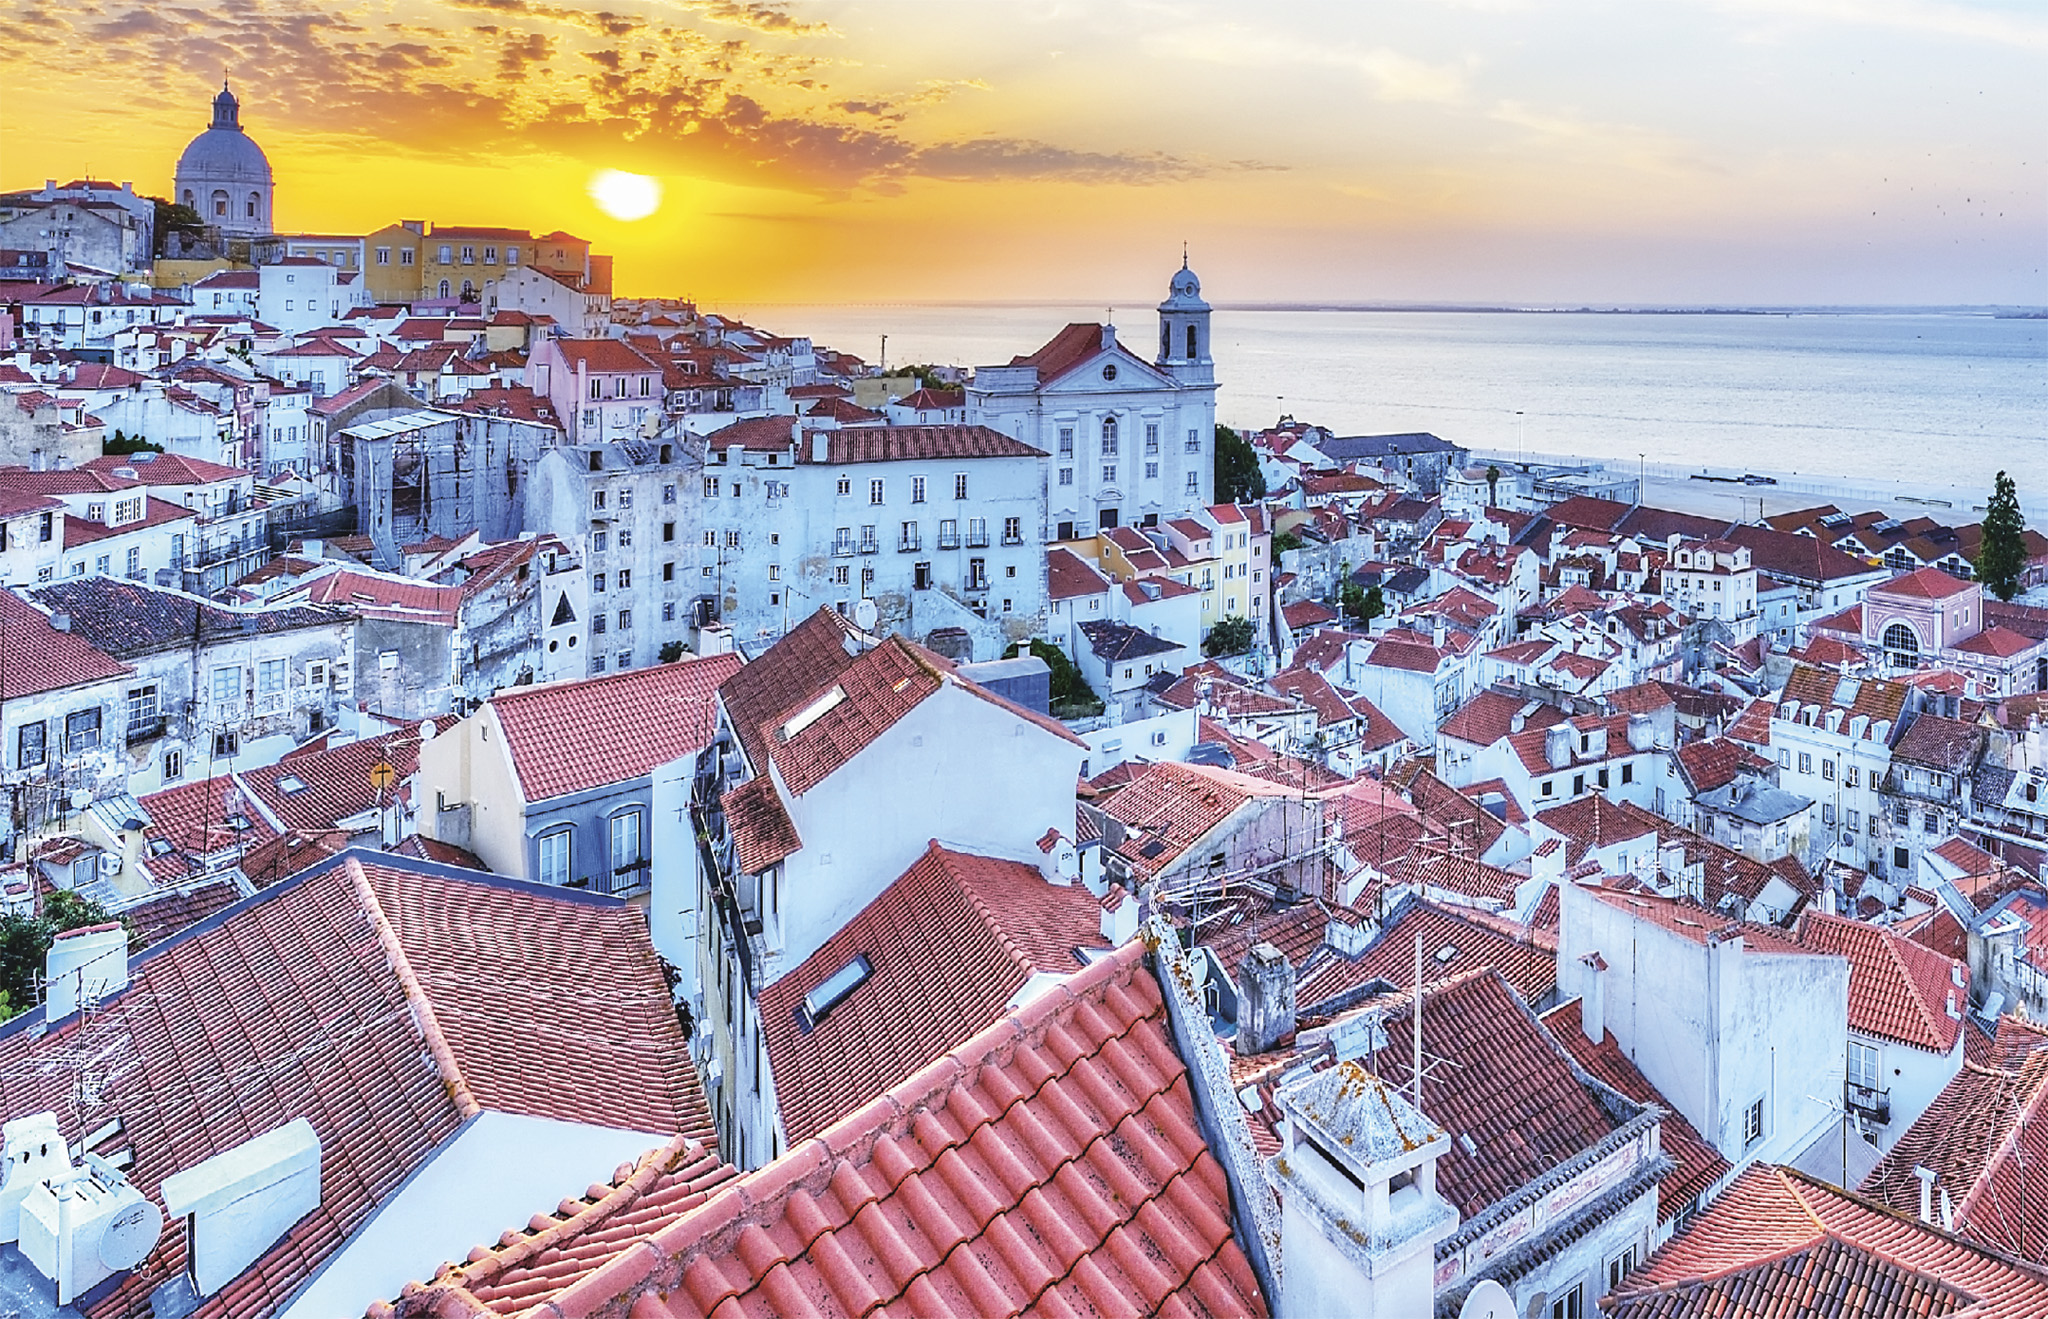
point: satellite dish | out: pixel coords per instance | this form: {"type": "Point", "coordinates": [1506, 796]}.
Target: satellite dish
{"type": "Point", "coordinates": [80, 798]}
{"type": "Point", "coordinates": [426, 730]}
{"type": "Point", "coordinates": [1487, 1300]}
{"type": "Point", "coordinates": [865, 615]}
{"type": "Point", "coordinates": [130, 1235]}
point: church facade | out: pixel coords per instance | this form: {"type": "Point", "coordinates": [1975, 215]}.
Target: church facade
{"type": "Point", "coordinates": [225, 177]}
{"type": "Point", "coordinates": [1131, 440]}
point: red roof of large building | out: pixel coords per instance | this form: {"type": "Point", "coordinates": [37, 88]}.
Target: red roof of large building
{"type": "Point", "coordinates": [1923, 584]}
{"type": "Point", "coordinates": [1053, 1164]}
{"type": "Point", "coordinates": [599, 356]}
{"type": "Point", "coordinates": [431, 995]}
{"type": "Point", "coordinates": [889, 444]}
{"type": "Point", "coordinates": [36, 657]}
{"type": "Point", "coordinates": [572, 736]}
{"type": "Point", "coordinates": [1068, 575]}
{"type": "Point", "coordinates": [947, 946]}
{"type": "Point", "coordinates": [1170, 806]}
{"type": "Point", "coordinates": [1898, 989]}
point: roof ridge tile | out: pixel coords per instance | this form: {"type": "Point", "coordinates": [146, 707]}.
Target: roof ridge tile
{"type": "Point", "coordinates": [416, 997]}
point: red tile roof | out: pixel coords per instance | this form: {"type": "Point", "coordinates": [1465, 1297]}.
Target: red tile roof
{"type": "Point", "coordinates": [889, 444]}
{"type": "Point", "coordinates": [597, 356]}
{"type": "Point", "coordinates": [572, 736]}
{"type": "Point", "coordinates": [1695, 923]}
{"type": "Point", "coordinates": [1898, 989]}
{"type": "Point", "coordinates": [1490, 716]}
{"type": "Point", "coordinates": [385, 1000]}
{"type": "Point", "coordinates": [948, 945]}
{"type": "Point", "coordinates": [1068, 349]}
{"type": "Point", "coordinates": [1779, 1243]}
{"type": "Point", "coordinates": [193, 819]}
{"type": "Point", "coordinates": [1068, 576]}
{"type": "Point", "coordinates": [762, 831]}
{"type": "Point", "coordinates": [1998, 642]}
{"type": "Point", "coordinates": [1700, 1165]}
{"type": "Point", "coordinates": [1174, 805]}
{"type": "Point", "coordinates": [336, 780]}
{"type": "Point", "coordinates": [1923, 584]}
{"type": "Point", "coordinates": [35, 657]}
{"type": "Point", "coordinates": [1053, 1164]}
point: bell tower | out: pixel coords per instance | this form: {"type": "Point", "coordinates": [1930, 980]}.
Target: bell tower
{"type": "Point", "coordinates": [1184, 330]}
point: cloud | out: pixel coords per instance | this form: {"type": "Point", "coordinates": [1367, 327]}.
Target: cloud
{"type": "Point", "coordinates": [1393, 76]}
{"type": "Point", "coordinates": [1638, 149]}
{"type": "Point", "coordinates": [1970, 22]}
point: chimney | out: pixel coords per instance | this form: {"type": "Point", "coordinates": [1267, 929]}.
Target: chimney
{"type": "Point", "coordinates": [1360, 1214]}
{"type": "Point", "coordinates": [1926, 1176]}
{"type": "Point", "coordinates": [1557, 745]}
{"type": "Point", "coordinates": [34, 1151]}
{"type": "Point", "coordinates": [1596, 742]}
{"type": "Point", "coordinates": [1436, 631]}
{"type": "Point", "coordinates": [1265, 1009]}
{"type": "Point", "coordinates": [1642, 732]}
{"type": "Point", "coordinates": [1119, 916]}
{"type": "Point", "coordinates": [821, 447]}
{"type": "Point", "coordinates": [240, 1202]}
{"type": "Point", "coordinates": [60, 622]}
{"type": "Point", "coordinates": [1593, 999]}
{"type": "Point", "coordinates": [83, 967]}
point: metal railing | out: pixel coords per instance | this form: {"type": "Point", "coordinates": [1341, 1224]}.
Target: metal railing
{"type": "Point", "coordinates": [1870, 1101]}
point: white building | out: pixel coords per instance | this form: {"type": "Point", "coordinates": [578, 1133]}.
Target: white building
{"type": "Point", "coordinates": [1131, 441]}
{"type": "Point", "coordinates": [1713, 579]}
{"type": "Point", "coordinates": [300, 292]}
{"type": "Point", "coordinates": [1832, 737]}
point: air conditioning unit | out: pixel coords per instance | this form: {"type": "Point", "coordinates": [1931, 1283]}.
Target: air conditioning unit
{"type": "Point", "coordinates": [110, 864]}
{"type": "Point", "coordinates": [83, 1226]}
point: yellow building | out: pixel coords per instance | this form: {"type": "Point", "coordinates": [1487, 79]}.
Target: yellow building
{"type": "Point", "coordinates": [391, 261]}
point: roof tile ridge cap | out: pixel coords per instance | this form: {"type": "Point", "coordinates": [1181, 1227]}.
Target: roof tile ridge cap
{"type": "Point", "coordinates": [416, 997]}
{"type": "Point", "coordinates": [620, 1196]}
{"type": "Point", "coordinates": [996, 926]}
{"type": "Point", "coordinates": [1933, 1025]}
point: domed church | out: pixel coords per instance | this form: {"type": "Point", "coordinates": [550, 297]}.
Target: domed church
{"type": "Point", "coordinates": [225, 176]}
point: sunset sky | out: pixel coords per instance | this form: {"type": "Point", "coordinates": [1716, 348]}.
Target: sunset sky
{"type": "Point", "coordinates": [1682, 151]}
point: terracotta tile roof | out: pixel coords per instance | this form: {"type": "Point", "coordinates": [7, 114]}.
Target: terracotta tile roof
{"type": "Point", "coordinates": [35, 657]}
{"type": "Point", "coordinates": [1226, 698]}
{"type": "Point", "coordinates": [768, 434]}
{"type": "Point", "coordinates": [572, 736]}
{"type": "Point", "coordinates": [166, 469]}
{"type": "Point", "coordinates": [1713, 762]}
{"type": "Point", "coordinates": [1695, 923]}
{"type": "Point", "coordinates": [1416, 657]}
{"type": "Point", "coordinates": [333, 783]}
{"type": "Point", "coordinates": [1170, 806]}
{"type": "Point", "coordinates": [429, 996]}
{"type": "Point", "coordinates": [1326, 649]}
{"type": "Point", "coordinates": [887, 444]}
{"type": "Point", "coordinates": [128, 619]}
{"type": "Point", "coordinates": [1753, 725]}
{"type": "Point", "coordinates": [1996, 641]}
{"type": "Point", "coordinates": [1949, 745]}
{"type": "Point", "coordinates": [1985, 1137]}
{"type": "Point", "coordinates": [947, 945]}
{"type": "Point", "coordinates": [1898, 989]}
{"type": "Point", "coordinates": [796, 670]}
{"type": "Point", "coordinates": [537, 1261]}
{"type": "Point", "coordinates": [1066, 350]}
{"type": "Point", "coordinates": [1923, 584]}
{"type": "Point", "coordinates": [1525, 959]}
{"type": "Point", "coordinates": [194, 818]}
{"type": "Point", "coordinates": [381, 596]}
{"type": "Point", "coordinates": [1780, 1243]}
{"type": "Point", "coordinates": [1304, 614]}
{"type": "Point", "coordinates": [597, 356]}
{"type": "Point", "coordinates": [1053, 1164]}
{"type": "Point", "coordinates": [1068, 576]}
{"type": "Point", "coordinates": [762, 831]}
{"type": "Point", "coordinates": [156, 513]}
{"type": "Point", "coordinates": [1700, 1165]}
{"type": "Point", "coordinates": [1490, 715]}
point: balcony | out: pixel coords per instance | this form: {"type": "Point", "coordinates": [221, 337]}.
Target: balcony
{"type": "Point", "coordinates": [977, 537]}
{"type": "Point", "coordinates": [842, 549]}
{"type": "Point", "coordinates": [1869, 1101]}
{"type": "Point", "coordinates": [870, 545]}
{"type": "Point", "coordinates": [949, 540]}
{"type": "Point", "coordinates": [1010, 538]}
{"type": "Point", "coordinates": [911, 543]}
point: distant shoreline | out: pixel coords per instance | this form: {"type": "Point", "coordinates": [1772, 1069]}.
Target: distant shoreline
{"type": "Point", "coordinates": [1988, 311]}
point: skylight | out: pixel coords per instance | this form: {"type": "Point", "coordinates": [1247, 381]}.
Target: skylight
{"type": "Point", "coordinates": [291, 784]}
{"type": "Point", "coordinates": [812, 713]}
{"type": "Point", "coordinates": [832, 991]}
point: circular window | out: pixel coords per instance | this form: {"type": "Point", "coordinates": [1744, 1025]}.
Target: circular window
{"type": "Point", "coordinates": [1109, 372]}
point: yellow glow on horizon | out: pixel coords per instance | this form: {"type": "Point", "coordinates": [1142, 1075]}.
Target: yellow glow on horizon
{"type": "Point", "coordinates": [625, 196]}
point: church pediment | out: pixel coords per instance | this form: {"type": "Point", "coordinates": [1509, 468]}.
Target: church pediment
{"type": "Point", "coordinates": [1114, 370]}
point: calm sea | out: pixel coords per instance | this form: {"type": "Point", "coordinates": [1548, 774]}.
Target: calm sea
{"type": "Point", "coordinates": [1940, 400]}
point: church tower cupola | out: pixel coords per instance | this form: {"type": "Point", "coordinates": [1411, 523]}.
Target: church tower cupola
{"type": "Point", "coordinates": [1184, 330]}
{"type": "Point", "coordinates": [227, 111]}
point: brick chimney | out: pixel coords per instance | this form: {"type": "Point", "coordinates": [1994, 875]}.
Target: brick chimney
{"type": "Point", "coordinates": [1265, 1004]}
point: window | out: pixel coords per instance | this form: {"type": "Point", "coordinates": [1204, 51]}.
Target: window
{"type": "Point", "coordinates": [405, 256]}
{"type": "Point", "coordinates": [511, 256]}
{"type": "Point", "coordinates": [668, 609]}
{"type": "Point", "coordinates": [1849, 776]}
{"type": "Point", "coordinates": [1827, 770]}
{"type": "Point", "coordinates": [1620, 1267]}
{"type": "Point", "coordinates": [227, 684]}
{"type": "Point", "coordinates": [959, 485]}
{"type": "Point", "coordinates": [142, 710]}
{"type": "Point", "coordinates": [628, 858]}
{"type": "Point", "coordinates": [1066, 476]}
{"type": "Point", "coordinates": [1827, 812]}
{"type": "Point", "coordinates": [468, 254]}
{"type": "Point", "coordinates": [832, 991]}
{"type": "Point", "coordinates": [226, 744]}
{"type": "Point", "coordinates": [1066, 441]}
{"type": "Point", "coordinates": [921, 577]}
{"type": "Point", "coordinates": [554, 855]}
{"type": "Point", "coordinates": [1109, 473]}
{"type": "Point", "coordinates": [597, 582]}
{"type": "Point", "coordinates": [1628, 772]}
{"type": "Point", "coordinates": [625, 578]}
{"type": "Point", "coordinates": [1013, 531]}
{"type": "Point", "coordinates": [875, 491]}
{"type": "Point", "coordinates": [445, 254]}
{"type": "Point", "coordinates": [912, 538]}
{"type": "Point", "coordinates": [845, 485]}
{"type": "Point", "coordinates": [977, 531]}
{"type": "Point", "coordinates": [1805, 762]}
{"type": "Point", "coordinates": [1194, 483]}
{"type": "Point", "coordinates": [597, 625]}
{"type": "Point", "coordinates": [490, 256]}
{"type": "Point", "coordinates": [977, 574]}
{"type": "Point", "coordinates": [1571, 1304]}
{"type": "Point", "coordinates": [625, 620]}
{"type": "Point", "coordinates": [1109, 437]}
{"type": "Point", "coordinates": [383, 256]}
{"type": "Point", "coordinates": [1151, 437]}
{"type": "Point", "coordinates": [917, 490]}
{"type": "Point", "coordinates": [732, 538]}
{"type": "Point", "coordinates": [1753, 1124]}
{"type": "Point", "coordinates": [599, 542]}
{"type": "Point", "coordinates": [1151, 471]}
{"type": "Point", "coordinates": [711, 487]}
{"type": "Point", "coordinates": [1863, 1065]}
{"type": "Point", "coordinates": [32, 746]}
{"type": "Point", "coordinates": [81, 731]}
{"type": "Point", "coordinates": [1194, 444]}
{"type": "Point", "coordinates": [174, 765]}
{"type": "Point", "coordinates": [270, 677]}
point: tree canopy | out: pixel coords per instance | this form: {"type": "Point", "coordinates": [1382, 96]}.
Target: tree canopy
{"type": "Point", "coordinates": [1232, 636]}
{"type": "Point", "coordinates": [1238, 478]}
{"type": "Point", "coordinates": [25, 945]}
{"type": "Point", "coordinates": [2003, 555]}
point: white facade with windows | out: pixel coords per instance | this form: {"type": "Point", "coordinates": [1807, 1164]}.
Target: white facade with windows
{"type": "Point", "coordinates": [1130, 442]}
{"type": "Point", "coordinates": [299, 293]}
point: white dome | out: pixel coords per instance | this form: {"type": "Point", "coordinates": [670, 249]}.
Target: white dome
{"type": "Point", "coordinates": [224, 155]}
{"type": "Point", "coordinates": [1185, 292]}
{"type": "Point", "coordinates": [224, 175]}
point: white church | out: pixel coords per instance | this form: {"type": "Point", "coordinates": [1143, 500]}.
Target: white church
{"type": "Point", "coordinates": [1130, 439]}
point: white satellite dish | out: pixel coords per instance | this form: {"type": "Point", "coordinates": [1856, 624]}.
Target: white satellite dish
{"type": "Point", "coordinates": [865, 615]}
{"type": "Point", "coordinates": [1487, 1300]}
{"type": "Point", "coordinates": [80, 799]}
{"type": "Point", "coordinates": [426, 730]}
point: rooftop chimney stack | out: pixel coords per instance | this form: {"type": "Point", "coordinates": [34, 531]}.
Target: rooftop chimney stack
{"type": "Point", "coordinates": [1593, 999]}
{"type": "Point", "coordinates": [1557, 745]}
{"type": "Point", "coordinates": [1926, 1176]}
{"type": "Point", "coordinates": [238, 1203]}
{"type": "Point", "coordinates": [1265, 1010]}
{"type": "Point", "coordinates": [84, 966]}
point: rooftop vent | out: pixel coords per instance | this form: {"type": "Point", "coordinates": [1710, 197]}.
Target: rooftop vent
{"type": "Point", "coordinates": [238, 1203]}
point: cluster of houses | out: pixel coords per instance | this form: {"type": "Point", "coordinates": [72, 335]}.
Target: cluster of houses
{"type": "Point", "coordinates": [613, 811]}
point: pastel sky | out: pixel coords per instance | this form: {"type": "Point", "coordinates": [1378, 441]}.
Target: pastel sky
{"type": "Point", "coordinates": [1525, 151]}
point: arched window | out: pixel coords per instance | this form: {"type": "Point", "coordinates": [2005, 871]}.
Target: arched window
{"type": "Point", "coordinates": [254, 203]}
{"type": "Point", "coordinates": [468, 289]}
{"type": "Point", "coordinates": [1901, 646]}
{"type": "Point", "coordinates": [220, 204]}
{"type": "Point", "coordinates": [1108, 436]}
{"type": "Point", "coordinates": [444, 288]}
{"type": "Point", "coordinates": [1192, 354]}
{"type": "Point", "coordinates": [191, 203]}
{"type": "Point", "coordinates": [1165, 341]}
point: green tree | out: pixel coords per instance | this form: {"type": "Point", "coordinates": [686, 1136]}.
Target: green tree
{"type": "Point", "coordinates": [1072, 697]}
{"type": "Point", "coordinates": [1238, 478]}
{"type": "Point", "coordinates": [1232, 636]}
{"type": "Point", "coordinates": [174, 216]}
{"type": "Point", "coordinates": [2003, 555]}
{"type": "Point", "coordinates": [1360, 603]}
{"type": "Point", "coordinates": [1492, 486]}
{"type": "Point", "coordinates": [671, 651]}
{"type": "Point", "coordinates": [25, 943]}
{"type": "Point", "coordinates": [1284, 541]}
{"type": "Point", "coordinates": [121, 443]}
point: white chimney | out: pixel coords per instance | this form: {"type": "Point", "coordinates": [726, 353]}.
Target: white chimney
{"type": "Point", "coordinates": [1360, 1215]}
{"type": "Point", "coordinates": [34, 1151]}
{"type": "Point", "coordinates": [1642, 733]}
{"type": "Point", "coordinates": [83, 967]}
{"type": "Point", "coordinates": [1926, 1176]}
{"type": "Point", "coordinates": [1119, 916]}
{"type": "Point", "coordinates": [1344, 938]}
{"type": "Point", "coordinates": [241, 1201]}
{"type": "Point", "coordinates": [1557, 745]}
{"type": "Point", "coordinates": [1593, 998]}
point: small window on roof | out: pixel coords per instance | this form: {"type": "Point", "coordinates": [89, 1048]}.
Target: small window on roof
{"type": "Point", "coordinates": [832, 991]}
{"type": "Point", "coordinates": [291, 784]}
{"type": "Point", "coordinates": [161, 847]}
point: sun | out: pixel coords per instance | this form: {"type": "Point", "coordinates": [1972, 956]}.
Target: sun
{"type": "Point", "coordinates": [625, 196]}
